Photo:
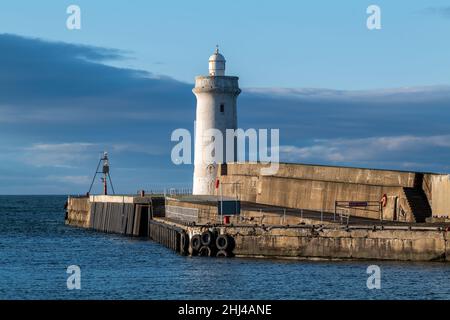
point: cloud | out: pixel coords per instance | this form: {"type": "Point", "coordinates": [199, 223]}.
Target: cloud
{"type": "Point", "coordinates": [147, 149]}
{"type": "Point", "coordinates": [306, 114]}
{"type": "Point", "coordinates": [77, 180]}
{"type": "Point", "coordinates": [60, 147]}
{"type": "Point", "coordinates": [374, 151]}
{"type": "Point", "coordinates": [62, 155]}
{"type": "Point", "coordinates": [72, 154]}
{"type": "Point", "coordinates": [390, 95]}
{"type": "Point", "coordinates": [62, 81]}
{"type": "Point", "coordinates": [61, 105]}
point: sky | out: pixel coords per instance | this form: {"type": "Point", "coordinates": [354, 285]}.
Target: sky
{"type": "Point", "coordinates": [339, 93]}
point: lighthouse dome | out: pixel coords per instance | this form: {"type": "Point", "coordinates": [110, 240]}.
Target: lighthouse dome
{"type": "Point", "coordinates": [217, 64]}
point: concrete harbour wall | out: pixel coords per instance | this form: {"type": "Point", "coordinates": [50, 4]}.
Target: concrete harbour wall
{"type": "Point", "coordinates": [330, 242]}
{"type": "Point", "coordinates": [440, 202]}
{"type": "Point", "coordinates": [267, 238]}
{"type": "Point", "coordinates": [111, 214]}
{"type": "Point", "coordinates": [78, 212]}
{"type": "Point", "coordinates": [317, 188]}
{"type": "Point", "coordinates": [343, 244]}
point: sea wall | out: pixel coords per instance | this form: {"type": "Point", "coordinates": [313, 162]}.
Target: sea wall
{"type": "Point", "coordinates": [126, 215]}
{"type": "Point", "coordinates": [317, 188]}
{"type": "Point", "coordinates": [329, 242]}
{"type": "Point", "coordinates": [329, 173]}
{"type": "Point", "coordinates": [332, 243]}
{"type": "Point", "coordinates": [272, 240]}
{"type": "Point", "coordinates": [78, 211]}
{"type": "Point", "coordinates": [440, 203]}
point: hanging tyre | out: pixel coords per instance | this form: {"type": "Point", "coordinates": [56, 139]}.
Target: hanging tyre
{"type": "Point", "coordinates": [204, 251]}
{"type": "Point", "coordinates": [207, 238]}
{"type": "Point", "coordinates": [222, 242]}
{"type": "Point", "coordinates": [222, 254]}
{"type": "Point", "coordinates": [184, 243]}
{"type": "Point", "coordinates": [196, 243]}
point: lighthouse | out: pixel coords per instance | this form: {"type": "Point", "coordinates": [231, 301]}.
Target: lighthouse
{"type": "Point", "coordinates": [216, 109]}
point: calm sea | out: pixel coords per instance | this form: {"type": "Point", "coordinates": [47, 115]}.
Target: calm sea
{"type": "Point", "coordinates": [36, 248]}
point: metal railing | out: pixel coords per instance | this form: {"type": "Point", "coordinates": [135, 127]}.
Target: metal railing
{"type": "Point", "coordinates": [343, 208]}
{"type": "Point", "coordinates": [182, 213]}
{"type": "Point", "coordinates": [273, 210]}
{"type": "Point", "coordinates": [284, 213]}
{"type": "Point", "coordinates": [169, 191]}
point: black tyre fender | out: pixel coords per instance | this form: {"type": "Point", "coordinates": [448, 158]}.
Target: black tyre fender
{"type": "Point", "coordinates": [222, 254]}
{"type": "Point", "coordinates": [204, 251]}
{"type": "Point", "coordinates": [196, 242]}
{"type": "Point", "coordinates": [222, 242]}
{"type": "Point", "coordinates": [207, 238]}
{"type": "Point", "coordinates": [184, 242]}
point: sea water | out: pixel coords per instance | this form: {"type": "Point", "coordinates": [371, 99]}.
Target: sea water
{"type": "Point", "coordinates": [36, 248]}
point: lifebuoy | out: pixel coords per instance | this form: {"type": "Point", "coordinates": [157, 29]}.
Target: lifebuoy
{"type": "Point", "coordinates": [383, 200]}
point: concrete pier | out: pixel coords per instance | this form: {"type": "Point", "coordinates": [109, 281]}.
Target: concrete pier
{"type": "Point", "coordinates": [267, 232]}
{"type": "Point", "coordinates": [410, 196]}
{"type": "Point", "coordinates": [127, 215]}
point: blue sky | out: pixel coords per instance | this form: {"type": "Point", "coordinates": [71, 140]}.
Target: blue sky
{"type": "Point", "coordinates": [339, 93]}
{"type": "Point", "coordinates": [269, 43]}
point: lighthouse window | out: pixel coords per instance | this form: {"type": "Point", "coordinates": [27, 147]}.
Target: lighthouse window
{"type": "Point", "coordinates": [222, 107]}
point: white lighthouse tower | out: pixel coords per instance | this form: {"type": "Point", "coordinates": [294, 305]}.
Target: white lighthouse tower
{"type": "Point", "coordinates": [216, 109]}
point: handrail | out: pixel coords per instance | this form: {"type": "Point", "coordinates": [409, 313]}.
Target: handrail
{"type": "Point", "coordinates": [364, 205]}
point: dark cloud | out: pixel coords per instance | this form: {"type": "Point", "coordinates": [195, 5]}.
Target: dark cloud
{"type": "Point", "coordinates": [317, 113]}
{"type": "Point", "coordinates": [380, 152]}
{"type": "Point", "coordinates": [44, 77]}
{"type": "Point", "coordinates": [61, 104]}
